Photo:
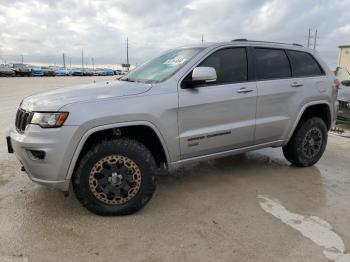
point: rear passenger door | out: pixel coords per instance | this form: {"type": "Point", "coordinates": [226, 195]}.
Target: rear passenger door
{"type": "Point", "coordinates": [287, 79]}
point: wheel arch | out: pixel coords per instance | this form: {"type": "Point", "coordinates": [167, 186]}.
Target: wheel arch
{"type": "Point", "coordinates": [110, 131]}
{"type": "Point", "coordinates": [320, 109]}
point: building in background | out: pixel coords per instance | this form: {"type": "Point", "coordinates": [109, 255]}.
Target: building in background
{"type": "Point", "coordinates": [344, 57]}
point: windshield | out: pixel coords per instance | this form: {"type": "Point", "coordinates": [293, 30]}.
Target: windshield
{"type": "Point", "coordinates": [163, 67]}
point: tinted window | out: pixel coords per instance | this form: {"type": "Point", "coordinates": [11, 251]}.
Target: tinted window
{"type": "Point", "coordinates": [303, 64]}
{"type": "Point", "coordinates": [271, 63]}
{"type": "Point", "coordinates": [230, 65]}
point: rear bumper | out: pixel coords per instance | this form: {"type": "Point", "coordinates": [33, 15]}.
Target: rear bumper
{"type": "Point", "coordinates": [51, 170]}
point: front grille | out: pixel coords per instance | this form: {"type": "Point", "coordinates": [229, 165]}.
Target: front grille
{"type": "Point", "coordinates": [23, 118]}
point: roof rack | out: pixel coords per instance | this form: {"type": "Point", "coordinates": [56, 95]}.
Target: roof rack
{"type": "Point", "coordinates": [257, 41]}
{"type": "Point", "coordinates": [239, 40]}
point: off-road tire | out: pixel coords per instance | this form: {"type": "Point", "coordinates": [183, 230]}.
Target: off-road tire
{"type": "Point", "coordinates": [124, 148]}
{"type": "Point", "coordinates": [296, 149]}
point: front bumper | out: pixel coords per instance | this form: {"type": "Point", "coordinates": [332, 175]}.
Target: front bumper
{"type": "Point", "coordinates": [56, 143]}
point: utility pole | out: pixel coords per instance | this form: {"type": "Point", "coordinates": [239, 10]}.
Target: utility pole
{"type": "Point", "coordinates": [315, 39]}
{"type": "Point", "coordinates": [22, 59]}
{"type": "Point", "coordinates": [64, 60]}
{"type": "Point", "coordinates": [127, 51]}
{"type": "Point", "coordinates": [93, 64]}
{"type": "Point", "coordinates": [202, 39]}
{"type": "Point", "coordinates": [308, 38]}
{"type": "Point", "coordinates": [70, 63]}
{"type": "Point", "coordinates": [82, 59]}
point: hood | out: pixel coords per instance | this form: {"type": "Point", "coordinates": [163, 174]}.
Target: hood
{"type": "Point", "coordinates": [55, 99]}
{"type": "Point", "coordinates": [344, 95]}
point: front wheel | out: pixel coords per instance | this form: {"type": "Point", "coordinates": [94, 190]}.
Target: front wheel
{"type": "Point", "coordinates": [308, 143]}
{"type": "Point", "coordinates": [115, 177]}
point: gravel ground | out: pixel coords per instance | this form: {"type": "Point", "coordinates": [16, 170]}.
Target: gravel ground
{"type": "Point", "coordinates": [205, 212]}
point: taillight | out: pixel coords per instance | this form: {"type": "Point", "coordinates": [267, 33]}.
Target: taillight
{"type": "Point", "coordinates": [337, 84]}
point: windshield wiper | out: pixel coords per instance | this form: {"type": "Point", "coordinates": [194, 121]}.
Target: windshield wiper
{"type": "Point", "coordinates": [126, 79]}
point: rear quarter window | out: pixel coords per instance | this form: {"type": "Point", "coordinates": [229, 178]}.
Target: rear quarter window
{"type": "Point", "coordinates": [303, 64]}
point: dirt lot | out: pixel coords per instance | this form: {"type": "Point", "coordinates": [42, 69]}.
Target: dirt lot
{"type": "Point", "coordinates": [249, 207]}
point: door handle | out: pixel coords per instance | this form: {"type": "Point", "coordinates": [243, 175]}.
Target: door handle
{"type": "Point", "coordinates": [296, 84]}
{"type": "Point", "coordinates": [244, 90]}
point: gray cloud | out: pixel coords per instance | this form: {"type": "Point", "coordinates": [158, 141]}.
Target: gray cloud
{"type": "Point", "coordinates": [43, 30]}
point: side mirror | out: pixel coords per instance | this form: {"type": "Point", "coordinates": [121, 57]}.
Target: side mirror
{"type": "Point", "coordinates": [345, 82]}
{"type": "Point", "coordinates": [204, 74]}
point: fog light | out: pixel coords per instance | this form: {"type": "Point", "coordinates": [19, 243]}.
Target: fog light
{"type": "Point", "coordinates": [37, 154]}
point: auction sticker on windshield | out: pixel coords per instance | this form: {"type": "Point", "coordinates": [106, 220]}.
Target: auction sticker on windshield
{"type": "Point", "coordinates": [175, 61]}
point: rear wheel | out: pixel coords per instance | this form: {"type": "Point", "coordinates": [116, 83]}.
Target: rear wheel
{"type": "Point", "coordinates": [308, 143]}
{"type": "Point", "coordinates": [115, 177]}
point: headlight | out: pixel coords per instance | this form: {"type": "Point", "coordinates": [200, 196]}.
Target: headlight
{"type": "Point", "coordinates": [52, 119]}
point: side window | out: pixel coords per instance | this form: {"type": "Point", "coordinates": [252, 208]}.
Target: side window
{"type": "Point", "coordinates": [230, 65]}
{"type": "Point", "coordinates": [303, 64]}
{"type": "Point", "coordinates": [271, 64]}
{"type": "Point", "coordinates": [342, 74]}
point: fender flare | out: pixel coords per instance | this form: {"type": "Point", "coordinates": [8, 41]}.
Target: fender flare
{"type": "Point", "coordinates": [302, 111]}
{"type": "Point", "coordinates": [93, 130]}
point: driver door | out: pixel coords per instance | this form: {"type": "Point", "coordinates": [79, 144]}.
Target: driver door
{"type": "Point", "coordinates": [220, 115]}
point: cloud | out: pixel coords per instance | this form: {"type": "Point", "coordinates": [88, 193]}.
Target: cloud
{"type": "Point", "coordinates": [43, 30]}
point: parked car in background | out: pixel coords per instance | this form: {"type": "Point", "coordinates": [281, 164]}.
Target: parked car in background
{"type": "Point", "coordinates": [48, 71]}
{"type": "Point", "coordinates": [88, 72]}
{"type": "Point", "coordinates": [37, 71]}
{"type": "Point", "coordinates": [77, 72]}
{"type": "Point", "coordinates": [21, 69]}
{"type": "Point", "coordinates": [104, 72]}
{"type": "Point", "coordinates": [119, 73]}
{"type": "Point", "coordinates": [62, 72]}
{"type": "Point", "coordinates": [6, 71]}
{"type": "Point", "coordinates": [343, 76]}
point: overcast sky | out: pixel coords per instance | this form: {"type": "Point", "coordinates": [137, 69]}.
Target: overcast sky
{"type": "Point", "coordinates": [43, 30]}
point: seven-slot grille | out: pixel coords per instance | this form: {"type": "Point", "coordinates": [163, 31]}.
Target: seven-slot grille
{"type": "Point", "coordinates": [23, 118]}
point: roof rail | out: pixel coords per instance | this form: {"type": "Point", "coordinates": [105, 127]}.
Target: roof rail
{"type": "Point", "coordinates": [257, 41]}
{"type": "Point", "coordinates": [239, 40]}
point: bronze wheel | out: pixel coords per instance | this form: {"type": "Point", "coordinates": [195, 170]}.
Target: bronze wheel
{"type": "Point", "coordinates": [115, 179]}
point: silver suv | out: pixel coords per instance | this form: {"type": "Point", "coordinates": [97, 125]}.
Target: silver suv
{"type": "Point", "coordinates": [189, 104]}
